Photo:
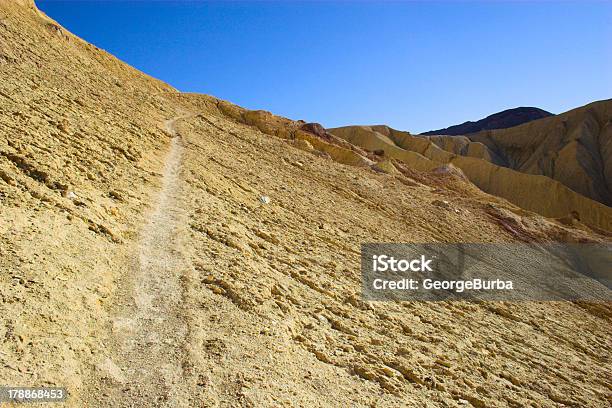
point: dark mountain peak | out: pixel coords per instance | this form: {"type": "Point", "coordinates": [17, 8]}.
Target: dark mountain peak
{"type": "Point", "coordinates": [500, 120]}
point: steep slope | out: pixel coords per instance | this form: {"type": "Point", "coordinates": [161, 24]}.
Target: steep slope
{"type": "Point", "coordinates": [500, 120]}
{"type": "Point", "coordinates": [81, 149]}
{"type": "Point", "coordinates": [140, 266]}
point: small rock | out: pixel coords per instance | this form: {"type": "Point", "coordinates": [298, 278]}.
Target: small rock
{"type": "Point", "coordinates": [111, 371]}
{"type": "Point", "coordinates": [264, 199]}
{"type": "Point", "coordinates": [8, 179]}
{"type": "Point", "coordinates": [389, 372]}
{"type": "Point", "coordinates": [279, 289]}
{"type": "Point", "coordinates": [115, 195]}
{"type": "Point", "coordinates": [314, 128]}
{"type": "Point", "coordinates": [64, 126]}
{"type": "Point", "coordinates": [71, 195]}
{"type": "Point", "coordinates": [444, 362]}
{"type": "Point", "coordinates": [209, 279]}
{"type": "Point", "coordinates": [441, 203]}
{"type": "Point", "coordinates": [267, 237]}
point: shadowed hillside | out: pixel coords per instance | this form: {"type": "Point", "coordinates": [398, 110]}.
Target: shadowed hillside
{"type": "Point", "coordinates": [500, 120]}
{"type": "Point", "coordinates": [574, 148]}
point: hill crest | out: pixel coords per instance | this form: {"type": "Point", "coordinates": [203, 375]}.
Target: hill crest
{"type": "Point", "coordinates": [500, 120]}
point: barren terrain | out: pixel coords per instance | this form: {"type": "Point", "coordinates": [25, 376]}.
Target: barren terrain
{"type": "Point", "coordinates": [168, 249]}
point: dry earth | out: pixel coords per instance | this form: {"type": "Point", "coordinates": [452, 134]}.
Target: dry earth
{"type": "Point", "coordinates": [140, 267]}
{"type": "Point", "coordinates": [481, 165]}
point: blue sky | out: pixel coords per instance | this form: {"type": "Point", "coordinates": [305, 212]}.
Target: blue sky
{"type": "Point", "coordinates": [415, 66]}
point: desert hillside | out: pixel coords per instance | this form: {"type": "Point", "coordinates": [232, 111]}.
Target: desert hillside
{"type": "Point", "coordinates": [479, 164]}
{"type": "Point", "coordinates": [168, 249]}
{"type": "Point", "coordinates": [574, 148]}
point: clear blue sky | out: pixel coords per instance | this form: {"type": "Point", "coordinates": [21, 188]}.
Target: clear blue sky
{"type": "Point", "coordinates": [412, 65]}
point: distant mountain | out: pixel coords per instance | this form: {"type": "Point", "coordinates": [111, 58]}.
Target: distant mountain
{"type": "Point", "coordinates": [500, 120]}
{"type": "Point", "coordinates": [573, 148]}
{"type": "Point", "coordinates": [557, 166]}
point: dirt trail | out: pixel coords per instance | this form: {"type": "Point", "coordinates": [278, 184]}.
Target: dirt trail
{"type": "Point", "coordinates": [145, 367]}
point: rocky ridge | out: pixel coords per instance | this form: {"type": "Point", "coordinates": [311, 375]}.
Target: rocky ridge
{"type": "Point", "coordinates": [500, 120]}
{"type": "Point", "coordinates": [574, 148]}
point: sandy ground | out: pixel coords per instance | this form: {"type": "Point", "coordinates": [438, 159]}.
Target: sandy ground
{"type": "Point", "coordinates": [148, 326]}
{"type": "Point", "coordinates": [139, 266]}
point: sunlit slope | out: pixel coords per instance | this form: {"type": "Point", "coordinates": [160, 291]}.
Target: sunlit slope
{"type": "Point", "coordinates": [287, 275]}
{"type": "Point", "coordinates": [532, 192]}
{"type": "Point", "coordinates": [81, 147]}
{"type": "Point", "coordinates": [270, 293]}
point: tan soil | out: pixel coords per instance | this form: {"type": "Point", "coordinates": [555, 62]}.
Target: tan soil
{"type": "Point", "coordinates": [148, 328]}
{"type": "Point", "coordinates": [163, 280]}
